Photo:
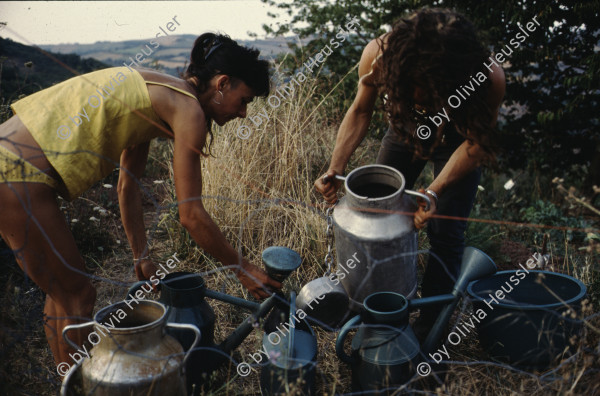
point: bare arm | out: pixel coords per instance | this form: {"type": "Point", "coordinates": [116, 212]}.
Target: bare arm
{"type": "Point", "coordinates": [133, 162]}
{"type": "Point", "coordinates": [190, 132]}
{"type": "Point", "coordinates": [193, 215]}
{"type": "Point", "coordinates": [466, 158]}
{"type": "Point", "coordinates": [355, 124]}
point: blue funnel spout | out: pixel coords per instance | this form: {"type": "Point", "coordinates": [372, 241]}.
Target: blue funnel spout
{"type": "Point", "coordinates": [475, 265]}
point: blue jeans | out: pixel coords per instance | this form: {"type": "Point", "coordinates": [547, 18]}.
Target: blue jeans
{"type": "Point", "coordinates": [447, 237]}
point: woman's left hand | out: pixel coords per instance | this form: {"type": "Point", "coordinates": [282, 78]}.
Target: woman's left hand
{"type": "Point", "coordinates": [422, 216]}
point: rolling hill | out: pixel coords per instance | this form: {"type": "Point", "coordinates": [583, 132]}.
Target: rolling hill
{"type": "Point", "coordinates": [170, 57]}
{"type": "Point", "coordinates": [25, 69]}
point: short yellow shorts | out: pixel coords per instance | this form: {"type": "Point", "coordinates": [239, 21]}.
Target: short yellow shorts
{"type": "Point", "coordinates": [15, 169]}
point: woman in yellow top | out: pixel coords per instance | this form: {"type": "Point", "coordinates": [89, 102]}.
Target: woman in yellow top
{"type": "Point", "coordinates": [67, 137]}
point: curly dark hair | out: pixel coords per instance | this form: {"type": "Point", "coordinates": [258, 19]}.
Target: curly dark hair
{"type": "Point", "coordinates": [436, 50]}
{"type": "Point", "coordinates": [215, 54]}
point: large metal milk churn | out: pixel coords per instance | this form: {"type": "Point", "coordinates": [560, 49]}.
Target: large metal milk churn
{"type": "Point", "coordinates": [133, 354]}
{"type": "Point", "coordinates": [375, 240]}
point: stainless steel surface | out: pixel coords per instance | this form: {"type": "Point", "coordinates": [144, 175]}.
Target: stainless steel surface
{"type": "Point", "coordinates": [324, 299]}
{"type": "Point", "coordinates": [337, 177]}
{"type": "Point", "coordinates": [373, 237]}
{"type": "Point", "coordinates": [410, 192]}
{"type": "Point", "coordinates": [421, 195]}
{"type": "Point", "coordinates": [71, 382]}
{"type": "Point", "coordinates": [68, 328]}
{"type": "Point", "coordinates": [187, 326]}
{"type": "Point", "coordinates": [135, 357]}
{"type": "Point", "coordinates": [330, 308]}
{"type": "Point", "coordinates": [185, 295]}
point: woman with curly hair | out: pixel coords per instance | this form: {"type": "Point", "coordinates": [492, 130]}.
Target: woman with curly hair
{"type": "Point", "coordinates": [114, 125]}
{"type": "Point", "coordinates": [427, 57]}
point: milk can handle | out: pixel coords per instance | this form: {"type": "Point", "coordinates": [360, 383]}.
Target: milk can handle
{"type": "Point", "coordinates": [409, 192]}
{"type": "Point", "coordinates": [339, 343]}
{"type": "Point", "coordinates": [418, 194]}
{"type": "Point", "coordinates": [337, 177]}
{"type": "Point", "coordinates": [74, 327]}
{"type": "Point", "coordinates": [196, 340]}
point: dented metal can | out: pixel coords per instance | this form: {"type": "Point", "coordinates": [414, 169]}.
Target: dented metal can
{"type": "Point", "coordinates": [133, 354]}
{"type": "Point", "coordinates": [376, 243]}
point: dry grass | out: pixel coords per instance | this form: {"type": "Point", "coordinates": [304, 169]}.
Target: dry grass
{"type": "Point", "coordinates": [260, 192]}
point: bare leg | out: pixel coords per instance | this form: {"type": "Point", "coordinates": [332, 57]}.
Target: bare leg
{"type": "Point", "coordinates": [35, 229]}
{"type": "Point", "coordinates": [53, 335]}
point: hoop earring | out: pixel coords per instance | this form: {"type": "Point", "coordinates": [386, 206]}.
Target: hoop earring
{"type": "Point", "coordinates": [222, 97]}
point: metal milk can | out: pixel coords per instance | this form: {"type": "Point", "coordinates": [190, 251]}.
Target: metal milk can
{"type": "Point", "coordinates": [132, 354]}
{"type": "Point", "coordinates": [375, 240]}
{"type": "Point", "coordinates": [384, 349]}
{"type": "Point", "coordinates": [292, 357]}
{"type": "Point", "coordinates": [185, 293]}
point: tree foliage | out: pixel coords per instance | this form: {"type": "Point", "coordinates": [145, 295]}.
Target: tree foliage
{"type": "Point", "coordinates": [553, 89]}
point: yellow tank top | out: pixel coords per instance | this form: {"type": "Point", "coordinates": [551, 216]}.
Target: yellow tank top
{"type": "Point", "coordinates": [83, 124]}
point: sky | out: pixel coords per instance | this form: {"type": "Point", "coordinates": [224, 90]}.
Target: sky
{"type": "Point", "coordinates": [85, 22]}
